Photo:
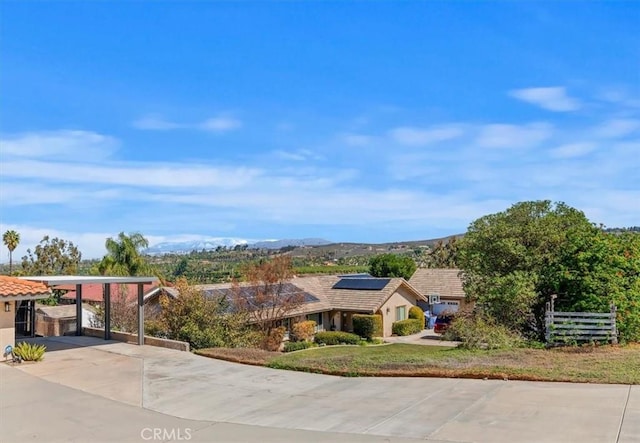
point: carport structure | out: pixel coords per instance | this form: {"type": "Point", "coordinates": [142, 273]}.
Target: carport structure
{"type": "Point", "coordinates": [106, 282]}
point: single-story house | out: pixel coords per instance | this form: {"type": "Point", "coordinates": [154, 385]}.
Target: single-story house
{"type": "Point", "coordinates": [17, 299]}
{"type": "Point", "coordinates": [440, 286]}
{"type": "Point", "coordinates": [331, 301]}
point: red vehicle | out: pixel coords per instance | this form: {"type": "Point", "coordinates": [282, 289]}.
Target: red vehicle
{"type": "Point", "coordinates": [442, 323]}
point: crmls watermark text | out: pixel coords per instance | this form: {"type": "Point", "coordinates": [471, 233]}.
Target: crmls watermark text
{"type": "Point", "coordinates": [162, 434]}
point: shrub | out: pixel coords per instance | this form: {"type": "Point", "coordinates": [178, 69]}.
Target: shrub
{"type": "Point", "coordinates": [303, 331]}
{"type": "Point", "coordinates": [481, 332]}
{"type": "Point", "coordinates": [204, 322]}
{"type": "Point", "coordinates": [407, 327]}
{"type": "Point", "coordinates": [367, 326]}
{"type": "Point", "coordinates": [336, 338]}
{"type": "Point", "coordinates": [154, 328]}
{"type": "Point", "coordinates": [29, 352]}
{"type": "Point", "coordinates": [416, 313]}
{"type": "Point", "coordinates": [273, 340]}
{"type": "Point", "coordinates": [291, 346]}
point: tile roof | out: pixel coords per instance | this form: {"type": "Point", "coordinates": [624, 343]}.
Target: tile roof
{"type": "Point", "coordinates": [445, 282]}
{"type": "Point", "coordinates": [327, 298]}
{"type": "Point", "coordinates": [351, 299]}
{"type": "Point", "coordinates": [16, 287]}
{"type": "Point", "coordinates": [312, 304]}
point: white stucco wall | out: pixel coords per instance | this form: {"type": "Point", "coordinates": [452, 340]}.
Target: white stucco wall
{"type": "Point", "coordinates": [7, 326]}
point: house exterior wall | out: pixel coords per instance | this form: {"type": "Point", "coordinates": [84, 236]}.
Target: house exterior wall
{"type": "Point", "coordinates": [401, 297]}
{"type": "Point", "coordinates": [7, 326]}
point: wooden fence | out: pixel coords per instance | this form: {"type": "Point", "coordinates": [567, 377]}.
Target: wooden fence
{"type": "Point", "coordinates": [575, 327]}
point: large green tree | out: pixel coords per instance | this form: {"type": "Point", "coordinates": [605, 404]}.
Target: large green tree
{"type": "Point", "coordinates": [594, 273]}
{"type": "Point", "coordinates": [124, 255]}
{"type": "Point", "coordinates": [52, 256]}
{"type": "Point", "coordinates": [392, 265]}
{"type": "Point", "coordinates": [11, 240]}
{"type": "Point", "coordinates": [507, 258]}
{"type": "Point", "coordinates": [514, 261]}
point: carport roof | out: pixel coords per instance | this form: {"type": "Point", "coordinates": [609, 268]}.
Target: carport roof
{"type": "Point", "coordinates": [55, 280]}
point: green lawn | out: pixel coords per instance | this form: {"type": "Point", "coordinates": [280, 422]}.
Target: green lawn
{"type": "Point", "coordinates": [602, 364]}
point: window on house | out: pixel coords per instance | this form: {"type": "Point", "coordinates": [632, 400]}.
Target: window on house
{"type": "Point", "coordinates": [318, 319]}
{"type": "Point", "coordinates": [401, 313]}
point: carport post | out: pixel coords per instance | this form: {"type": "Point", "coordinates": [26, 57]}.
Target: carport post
{"type": "Point", "coordinates": [140, 314]}
{"type": "Point", "coordinates": [78, 309]}
{"type": "Point", "coordinates": [107, 310]}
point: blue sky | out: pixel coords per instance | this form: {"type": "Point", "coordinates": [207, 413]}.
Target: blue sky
{"type": "Point", "coordinates": [351, 121]}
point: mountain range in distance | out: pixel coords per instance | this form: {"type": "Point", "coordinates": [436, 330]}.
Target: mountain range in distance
{"type": "Point", "coordinates": [348, 248]}
{"type": "Point", "coordinates": [230, 242]}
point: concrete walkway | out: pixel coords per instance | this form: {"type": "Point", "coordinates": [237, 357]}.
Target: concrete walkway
{"type": "Point", "coordinates": [425, 337]}
{"type": "Point", "coordinates": [252, 403]}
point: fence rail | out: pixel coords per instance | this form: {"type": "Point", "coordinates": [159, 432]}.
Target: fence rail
{"type": "Point", "coordinates": [569, 327]}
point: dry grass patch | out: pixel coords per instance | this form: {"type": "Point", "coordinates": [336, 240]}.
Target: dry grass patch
{"type": "Point", "coordinates": [602, 364]}
{"type": "Point", "coordinates": [249, 356]}
{"type": "Point", "coordinates": [592, 364]}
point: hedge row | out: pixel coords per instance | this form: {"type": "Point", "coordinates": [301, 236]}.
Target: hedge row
{"type": "Point", "coordinates": [367, 326]}
{"type": "Point", "coordinates": [407, 327]}
{"type": "Point", "coordinates": [336, 338]}
{"type": "Point", "coordinates": [291, 346]}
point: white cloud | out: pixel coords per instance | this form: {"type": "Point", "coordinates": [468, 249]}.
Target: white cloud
{"type": "Point", "coordinates": [616, 128]}
{"type": "Point", "coordinates": [550, 98]}
{"type": "Point", "coordinates": [513, 136]}
{"type": "Point", "coordinates": [620, 96]}
{"type": "Point", "coordinates": [299, 155]}
{"type": "Point", "coordinates": [155, 123]}
{"type": "Point", "coordinates": [90, 244]}
{"type": "Point", "coordinates": [220, 124]}
{"type": "Point", "coordinates": [572, 150]}
{"type": "Point", "coordinates": [63, 145]}
{"type": "Point", "coordinates": [424, 136]}
{"type": "Point", "coordinates": [132, 174]}
{"type": "Point", "coordinates": [357, 139]}
{"type": "Point", "coordinates": [217, 124]}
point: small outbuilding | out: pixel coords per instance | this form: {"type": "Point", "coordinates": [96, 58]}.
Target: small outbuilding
{"type": "Point", "coordinates": [54, 321]}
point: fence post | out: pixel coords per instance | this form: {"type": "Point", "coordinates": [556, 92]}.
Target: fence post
{"type": "Point", "coordinates": [547, 322]}
{"type": "Point", "coordinates": [614, 327]}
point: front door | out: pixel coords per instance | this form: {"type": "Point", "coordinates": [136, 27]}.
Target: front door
{"type": "Point", "coordinates": [25, 316]}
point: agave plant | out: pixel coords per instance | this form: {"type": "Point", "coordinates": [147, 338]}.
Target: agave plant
{"type": "Point", "coordinates": [29, 351]}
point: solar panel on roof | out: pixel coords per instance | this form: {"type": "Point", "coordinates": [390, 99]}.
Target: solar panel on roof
{"type": "Point", "coordinates": [362, 284]}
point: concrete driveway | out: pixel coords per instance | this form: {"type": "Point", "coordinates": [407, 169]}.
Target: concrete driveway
{"type": "Point", "coordinates": [154, 381]}
{"type": "Point", "coordinates": [426, 337]}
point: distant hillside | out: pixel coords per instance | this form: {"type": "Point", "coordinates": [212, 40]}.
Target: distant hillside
{"type": "Point", "coordinates": [279, 244]}
{"type": "Point", "coordinates": [197, 245]}
{"type": "Point", "coordinates": [336, 251]}
{"type": "Point", "coordinates": [619, 230]}
{"type": "Point", "coordinates": [229, 243]}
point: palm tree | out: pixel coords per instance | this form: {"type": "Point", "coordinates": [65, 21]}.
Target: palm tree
{"type": "Point", "coordinates": [11, 239]}
{"type": "Point", "coordinates": [124, 255]}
